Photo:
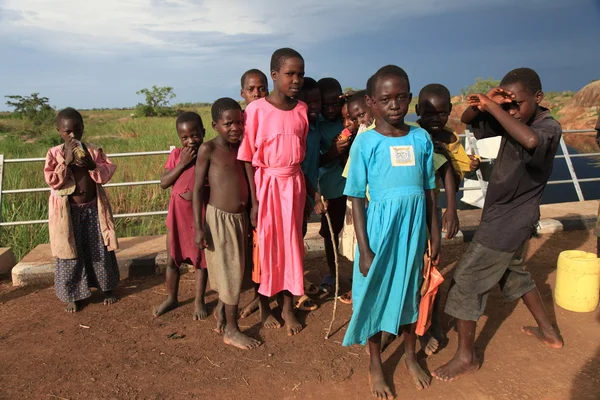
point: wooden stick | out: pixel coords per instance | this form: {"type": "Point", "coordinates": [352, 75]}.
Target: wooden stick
{"type": "Point", "coordinates": [337, 272]}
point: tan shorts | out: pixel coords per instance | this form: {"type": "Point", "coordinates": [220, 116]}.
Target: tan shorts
{"type": "Point", "coordinates": [226, 252]}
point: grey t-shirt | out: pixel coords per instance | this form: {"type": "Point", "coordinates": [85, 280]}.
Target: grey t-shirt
{"type": "Point", "coordinates": [512, 202]}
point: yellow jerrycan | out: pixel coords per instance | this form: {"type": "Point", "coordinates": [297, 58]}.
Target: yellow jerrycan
{"type": "Point", "coordinates": [577, 281]}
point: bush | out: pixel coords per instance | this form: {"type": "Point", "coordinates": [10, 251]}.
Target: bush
{"type": "Point", "coordinates": [157, 102]}
{"type": "Point", "coordinates": [480, 86]}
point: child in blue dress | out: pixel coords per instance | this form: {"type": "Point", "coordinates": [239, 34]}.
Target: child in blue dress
{"type": "Point", "coordinates": [396, 162]}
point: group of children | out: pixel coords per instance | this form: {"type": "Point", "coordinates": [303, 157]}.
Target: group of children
{"type": "Point", "coordinates": [306, 146]}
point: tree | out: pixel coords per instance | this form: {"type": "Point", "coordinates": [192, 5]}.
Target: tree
{"type": "Point", "coordinates": [34, 108]}
{"type": "Point", "coordinates": [480, 86]}
{"type": "Point", "coordinates": [157, 102]}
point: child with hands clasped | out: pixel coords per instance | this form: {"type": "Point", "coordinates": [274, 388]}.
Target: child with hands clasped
{"type": "Point", "coordinates": [179, 174]}
{"type": "Point", "coordinates": [80, 221]}
{"type": "Point", "coordinates": [396, 162]}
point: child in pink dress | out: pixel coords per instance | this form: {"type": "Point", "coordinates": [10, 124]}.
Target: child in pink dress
{"type": "Point", "coordinates": [275, 143]}
{"type": "Point", "coordinates": [179, 174]}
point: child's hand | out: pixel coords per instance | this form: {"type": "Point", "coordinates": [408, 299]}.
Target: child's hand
{"type": "Point", "coordinates": [338, 147]}
{"type": "Point", "coordinates": [450, 223]}
{"type": "Point", "coordinates": [69, 149]}
{"type": "Point", "coordinates": [188, 155]}
{"type": "Point", "coordinates": [480, 101]}
{"type": "Point", "coordinates": [320, 204]}
{"type": "Point", "coordinates": [254, 215]}
{"type": "Point", "coordinates": [87, 162]}
{"type": "Point", "coordinates": [475, 162]}
{"type": "Point", "coordinates": [365, 261]}
{"type": "Point", "coordinates": [200, 240]}
{"type": "Point", "coordinates": [347, 94]}
{"type": "Point", "coordinates": [435, 251]}
{"type": "Point", "coordinates": [500, 96]}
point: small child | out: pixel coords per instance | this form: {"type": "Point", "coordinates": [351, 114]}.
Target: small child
{"type": "Point", "coordinates": [273, 148]}
{"type": "Point", "coordinates": [226, 236]}
{"type": "Point", "coordinates": [331, 181]}
{"type": "Point", "coordinates": [179, 174]}
{"type": "Point", "coordinates": [80, 221]}
{"type": "Point", "coordinates": [530, 139]}
{"type": "Point", "coordinates": [396, 161]}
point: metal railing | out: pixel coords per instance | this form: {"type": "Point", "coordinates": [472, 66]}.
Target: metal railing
{"type": "Point", "coordinates": [566, 155]}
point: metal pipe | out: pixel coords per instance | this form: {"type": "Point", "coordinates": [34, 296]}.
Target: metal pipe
{"type": "Point", "coordinates": [565, 151]}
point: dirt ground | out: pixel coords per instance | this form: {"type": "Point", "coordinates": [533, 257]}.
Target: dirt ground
{"type": "Point", "coordinates": [121, 352]}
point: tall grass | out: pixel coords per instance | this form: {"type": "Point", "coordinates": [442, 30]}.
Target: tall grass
{"type": "Point", "coordinates": [116, 132]}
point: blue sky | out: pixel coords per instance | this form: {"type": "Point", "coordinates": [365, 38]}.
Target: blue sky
{"type": "Point", "coordinates": [98, 53]}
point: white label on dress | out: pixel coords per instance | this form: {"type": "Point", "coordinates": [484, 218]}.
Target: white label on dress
{"type": "Point", "coordinates": [402, 156]}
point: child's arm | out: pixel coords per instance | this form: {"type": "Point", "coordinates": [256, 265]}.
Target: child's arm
{"type": "Point", "coordinates": [320, 207]}
{"type": "Point", "coordinates": [338, 147]}
{"type": "Point", "coordinates": [360, 228]}
{"type": "Point", "coordinates": [170, 175]}
{"type": "Point", "coordinates": [55, 173]}
{"type": "Point", "coordinates": [254, 200]}
{"type": "Point", "coordinates": [491, 103]}
{"type": "Point", "coordinates": [202, 165]}
{"type": "Point", "coordinates": [432, 223]}
{"type": "Point", "coordinates": [450, 221]}
{"type": "Point", "coordinates": [101, 169]}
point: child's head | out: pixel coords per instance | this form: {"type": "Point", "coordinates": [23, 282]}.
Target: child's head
{"type": "Point", "coordinates": [358, 109]}
{"type": "Point", "coordinates": [287, 71]}
{"type": "Point", "coordinates": [254, 85]}
{"type": "Point", "coordinates": [228, 120]}
{"type": "Point", "coordinates": [69, 123]}
{"type": "Point", "coordinates": [311, 95]}
{"type": "Point", "coordinates": [331, 90]}
{"type": "Point", "coordinates": [347, 121]}
{"type": "Point", "coordinates": [391, 94]}
{"type": "Point", "coordinates": [434, 107]}
{"type": "Point", "coordinates": [190, 129]}
{"type": "Point", "coordinates": [526, 85]}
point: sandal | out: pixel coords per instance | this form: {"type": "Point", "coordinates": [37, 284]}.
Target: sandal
{"type": "Point", "coordinates": [310, 288]}
{"type": "Point", "coordinates": [305, 303]}
{"type": "Point", "coordinates": [328, 284]}
{"type": "Point", "coordinates": [346, 298]}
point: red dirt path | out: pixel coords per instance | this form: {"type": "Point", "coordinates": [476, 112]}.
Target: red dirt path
{"type": "Point", "coordinates": [126, 354]}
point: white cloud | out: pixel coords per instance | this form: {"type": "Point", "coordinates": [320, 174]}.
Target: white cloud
{"type": "Point", "coordinates": [116, 26]}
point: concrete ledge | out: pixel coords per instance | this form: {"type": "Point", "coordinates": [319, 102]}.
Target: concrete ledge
{"type": "Point", "coordinates": [7, 260]}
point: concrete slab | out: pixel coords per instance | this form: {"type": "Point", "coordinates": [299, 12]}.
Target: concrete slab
{"type": "Point", "coordinates": [7, 260]}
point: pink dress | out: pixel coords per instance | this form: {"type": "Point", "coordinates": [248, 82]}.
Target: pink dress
{"type": "Point", "coordinates": [180, 219]}
{"type": "Point", "coordinates": [275, 142]}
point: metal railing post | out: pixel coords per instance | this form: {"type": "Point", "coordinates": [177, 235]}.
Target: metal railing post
{"type": "Point", "coordinates": [565, 151]}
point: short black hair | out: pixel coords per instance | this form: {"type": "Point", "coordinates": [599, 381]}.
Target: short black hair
{"type": "Point", "coordinates": [370, 85]}
{"type": "Point", "coordinates": [528, 78]}
{"type": "Point", "coordinates": [68, 113]}
{"type": "Point", "coordinates": [435, 90]}
{"type": "Point", "coordinates": [189, 116]}
{"type": "Point", "coordinates": [281, 55]}
{"type": "Point", "coordinates": [387, 71]}
{"type": "Point", "coordinates": [254, 71]}
{"type": "Point", "coordinates": [357, 97]}
{"type": "Point", "coordinates": [329, 85]}
{"type": "Point", "coordinates": [221, 105]}
{"type": "Point", "coordinates": [309, 84]}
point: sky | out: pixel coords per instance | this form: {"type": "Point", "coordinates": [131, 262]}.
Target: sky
{"type": "Point", "coordinates": [98, 53]}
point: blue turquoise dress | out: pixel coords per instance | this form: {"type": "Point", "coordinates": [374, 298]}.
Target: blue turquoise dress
{"type": "Point", "coordinates": [397, 170]}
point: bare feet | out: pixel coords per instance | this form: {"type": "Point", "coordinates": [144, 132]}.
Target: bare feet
{"type": "Point", "coordinates": [429, 344]}
{"type": "Point", "coordinates": [241, 341]}
{"type": "Point", "coordinates": [268, 320]}
{"type": "Point", "coordinates": [292, 325]}
{"type": "Point", "coordinates": [220, 317]}
{"type": "Point", "coordinates": [379, 388]}
{"type": "Point", "coordinates": [456, 368]}
{"type": "Point", "coordinates": [72, 307]}
{"type": "Point", "coordinates": [200, 311]}
{"type": "Point", "coordinates": [169, 304]}
{"type": "Point", "coordinates": [551, 339]}
{"type": "Point", "coordinates": [250, 308]}
{"type": "Point", "coordinates": [421, 379]}
{"type": "Point", "coordinates": [109, 298]}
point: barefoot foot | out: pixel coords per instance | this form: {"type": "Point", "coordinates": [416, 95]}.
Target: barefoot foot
{"type": "Point", "coordinates": [268, 320]}
{"type": "Point", "coordinates": [379, 388]}
{"type": "Point", "coordinates": [421, 379]}
{"type": "Point", "coordinates": [429, 344]}
{"type": "Point", "coordinates": [241, 341]}
{"type": "Point", "coordinates": [168, 305]}
{"type": "Point", "coordinates": [250, 308]}
{"type": "Point", "coordinates": [456, 368]}
{"type": "Point", "coordinates": [292, 325]}
{"type": "Point", "coordinates": [72, 307]}
{"type": "Point", "coordinates": [200, 311]}
{"type": "Point", "coordinates": [220, 317]}
{"type": "Point", "coordinates": [109, 298]}
{"type": "Point", "coordinates": [550, 338]}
